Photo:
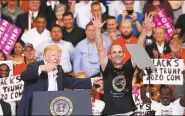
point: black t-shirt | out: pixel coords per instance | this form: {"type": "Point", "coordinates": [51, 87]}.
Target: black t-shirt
{"type": "Point", "coordinates": [118, 89]}
{"type": "Point", "coordinates": [181, 24]}
{"type": "Point", "coordinates": [75, 36]}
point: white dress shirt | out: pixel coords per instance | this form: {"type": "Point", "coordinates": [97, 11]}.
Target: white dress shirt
{"type": "Point", "coordinates": [116, 8]}
{"type": "Point", "coordinates": [32, 36]}
{"type": "Point", "coordinates": [67, 53]}
{"type": "Point", "coordinates": [30, 16]}
{"type": "Point", "coordinates": [82, 13]}
{"type": "Point", "coordinates": [52, 82]}
{"type": "Point", "coordinates": [160, 47]}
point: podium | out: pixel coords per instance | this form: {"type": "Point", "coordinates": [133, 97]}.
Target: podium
{"type": "Point", "coordinates": [62, 103]}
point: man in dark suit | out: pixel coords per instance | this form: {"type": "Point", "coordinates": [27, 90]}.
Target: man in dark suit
{"type": "Point", "coordinates": [159, 46]}
{"type": "Point", "coordinates": [25, 21]}
{"type": "Point", "coordinates": [6, 108]}
{"type": "Point", "coordinates": [47, 75]}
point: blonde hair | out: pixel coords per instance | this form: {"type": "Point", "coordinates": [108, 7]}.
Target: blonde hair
{"type": "Point", "coordinates": [51, 48]}
{"type": "Point", "coordinates": [126, 21]}
{"type": "Point", "coordinates": [60, 5]}
{"type": "Point", "coordinates": [81, 74]}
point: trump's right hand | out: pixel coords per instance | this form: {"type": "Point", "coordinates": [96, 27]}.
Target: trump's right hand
{"type": "Point", "coordinates": [48, 67]}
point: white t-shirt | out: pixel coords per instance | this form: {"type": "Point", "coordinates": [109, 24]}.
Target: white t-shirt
{"type": "Point", "coordinates": [32, 36]}
{"type": "Point", "coordinates": [173, 109]}
{"type": "Point", "coordinates": [98, 107]}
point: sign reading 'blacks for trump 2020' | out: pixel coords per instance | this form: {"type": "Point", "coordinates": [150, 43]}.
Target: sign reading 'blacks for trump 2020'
{"type": "Point", "coordinates": [11, 88]}
{"type": "Point", "coordinates": [168, 71]}
{"type": "Point", "coordinates": [8, 36]}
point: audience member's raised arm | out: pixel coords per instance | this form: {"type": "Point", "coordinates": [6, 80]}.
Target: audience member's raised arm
{"type": "Point", "coordinates": [147, 21]}
{"type": "Point", "coordinates": [103, 59]}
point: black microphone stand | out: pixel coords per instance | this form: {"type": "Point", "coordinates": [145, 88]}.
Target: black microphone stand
{"type": "Point", "coordinates": [149, 72]}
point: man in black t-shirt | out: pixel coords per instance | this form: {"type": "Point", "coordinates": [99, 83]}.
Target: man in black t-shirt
{"type": "Point", "coordinates": [117, 77]}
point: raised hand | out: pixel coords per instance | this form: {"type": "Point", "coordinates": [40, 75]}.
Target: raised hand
{"type": "Point", "coordinates": [124, 14]}
{"type": "Point", "coordinates": [48, 67]}
{"type": "Point", "coordinates": [148, 20]}
{"type": "Point", "coordinates": [134, 16]}
{"type": "Point", "coordinates": [97, 22]}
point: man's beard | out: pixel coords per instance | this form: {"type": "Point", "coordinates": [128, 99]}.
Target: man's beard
{"type": "Point", "coordinates": [126, 36]}
{"type": "Point", "coordinates": [165, 103]}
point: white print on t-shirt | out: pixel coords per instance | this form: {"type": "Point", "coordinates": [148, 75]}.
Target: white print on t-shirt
{"type": "Point", "coordinates": [166, 112]}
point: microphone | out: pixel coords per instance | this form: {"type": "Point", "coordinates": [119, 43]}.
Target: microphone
{"type": "Point", "coordinates": [59, 67]}
{"type": "Point", "coordinates": [61, 77]}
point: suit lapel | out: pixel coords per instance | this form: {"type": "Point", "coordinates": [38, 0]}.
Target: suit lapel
{"type": "Point", "coordinates": [155, 47]}
{"type": "Point", "coordinates": [26, 20]}
{"type": "Point", "coordinates": [60, 83]}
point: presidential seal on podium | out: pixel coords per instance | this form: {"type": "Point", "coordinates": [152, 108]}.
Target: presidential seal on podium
{"type": "Point", "coordinates": [61, 106]}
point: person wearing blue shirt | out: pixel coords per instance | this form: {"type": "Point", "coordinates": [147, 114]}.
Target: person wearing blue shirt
{"type": "Point", "coordinates": [135, 17]}
{"type": "Point", "coordinates": [86, 55]}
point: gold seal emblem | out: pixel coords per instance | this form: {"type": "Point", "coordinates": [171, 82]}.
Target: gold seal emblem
{"type": "Point", "coordinates": [119, 83]}
{"type": "Point", "coordinates": [61, 106]}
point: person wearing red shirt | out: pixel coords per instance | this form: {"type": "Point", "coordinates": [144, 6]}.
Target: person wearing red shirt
{"type": "Point", "coordinates": [177, 51]}
{"type": "Point", "coordinates": [29, 57]}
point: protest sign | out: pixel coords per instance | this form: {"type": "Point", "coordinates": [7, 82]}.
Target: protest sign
{"type": "Point", "coordinates": [163, 20]}
{"type": "Point", "coordinates": [135, 90]}
{"type": "Point", "coordinates": [11, 88]}
{"type": "Point", "coordinates": [9, 64]}
{"type": "Point", "coordinates": [9, 34]}
{"type": "Point", "coordinates": [168, 71]}
{"type": "Point", "coordinates": [142, 109]}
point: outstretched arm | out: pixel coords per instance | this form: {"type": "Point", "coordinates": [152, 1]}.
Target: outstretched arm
{"type": "Point", "coordinates": [148, 20]}
{"type": "Point", "coordinates": [103, 58]}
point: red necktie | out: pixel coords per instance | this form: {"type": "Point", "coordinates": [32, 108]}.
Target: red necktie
{"type": "Point", "coordinates": [32, 20]}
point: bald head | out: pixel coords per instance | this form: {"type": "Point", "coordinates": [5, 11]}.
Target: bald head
{"type": "Point", "coordinates": [159, 34]}
{"type": "Point", "coordinates": [126, 22]}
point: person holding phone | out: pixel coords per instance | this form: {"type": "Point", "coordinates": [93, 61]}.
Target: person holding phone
{"type": "Point", "coordinates": [135, 17]}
